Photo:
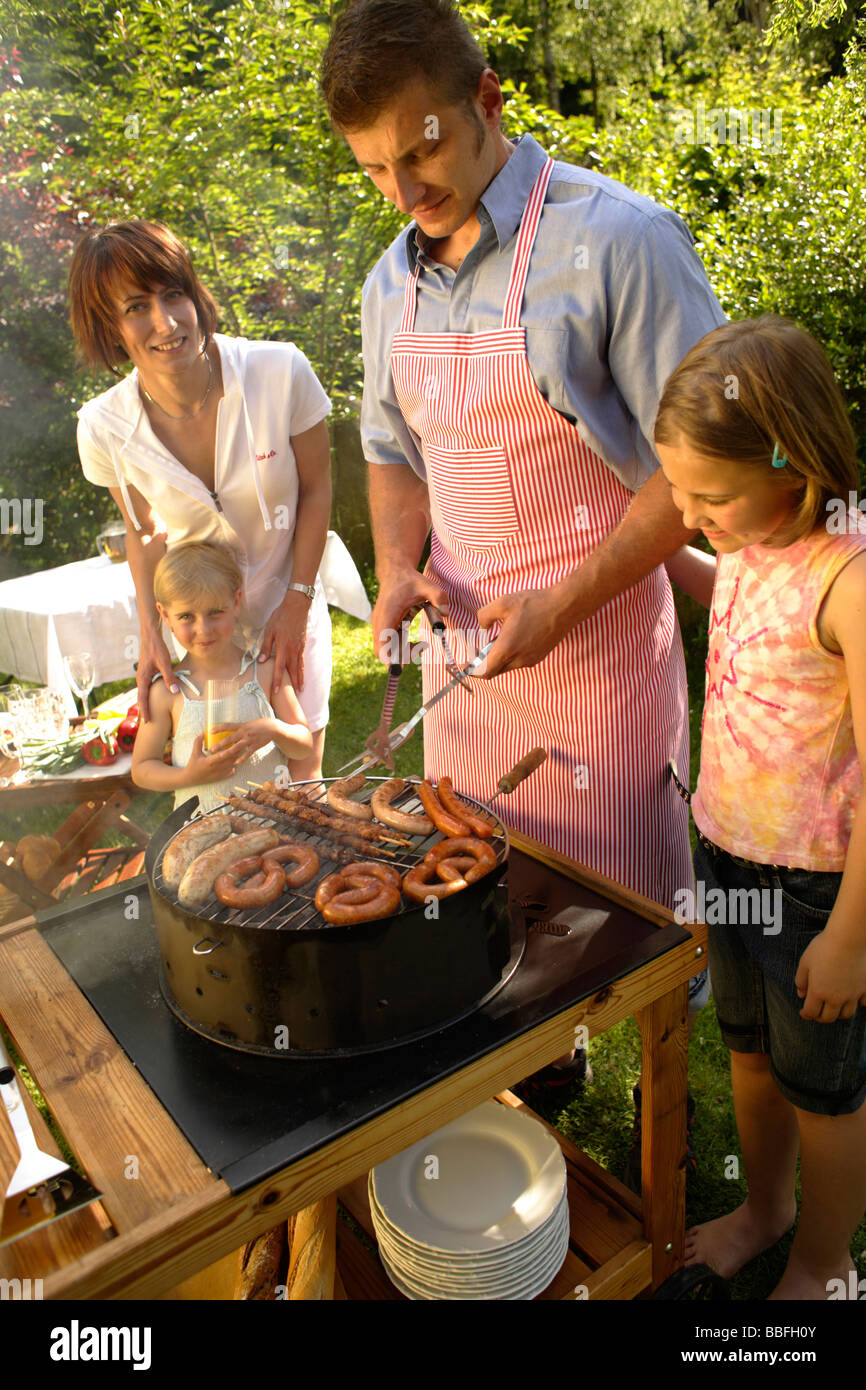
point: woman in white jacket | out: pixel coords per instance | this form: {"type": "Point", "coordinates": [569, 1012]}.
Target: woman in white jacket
{"type": "Point", "coordinates": [208, 438]}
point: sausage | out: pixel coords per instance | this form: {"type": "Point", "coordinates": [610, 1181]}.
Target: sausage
{"type": "Point", "coordinates": [359, 893]}
{"type": "Point", "coordinates": [421, 883]}
{"type": "Point", "coordinates": [442, 819]}
{"type": "Point", "coordinates": [305, 857]}
{"type": "Point", "coordinates": [449, 867]}
{"type": "Point", "coordinates": [335, 886]}
{"type": "Point", "coordinates": [477, 825]}
{"type": "Point", "coordinates": [197, 883]}
{"type": "Point", "coordinates": [454, 867]}
{"type": "Point", "coordinates": [339, 796]}
{"type": "Point", "coordinates": [258, 891]}
{"type": "Point", "coordinates": [383, 872]}
{"type": "Point", "coordinates": [411, 823]}
{"type": "Point", "coordinates": [483, 854]}
{"type": "Point", "coordinates": [188, 844]}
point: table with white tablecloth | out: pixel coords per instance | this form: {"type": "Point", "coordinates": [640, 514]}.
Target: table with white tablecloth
{"type": "Point", "coordinates": [88, 606]}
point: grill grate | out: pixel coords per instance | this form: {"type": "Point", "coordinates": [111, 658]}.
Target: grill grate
{"type": "Point", "coordinates": [295, 909]}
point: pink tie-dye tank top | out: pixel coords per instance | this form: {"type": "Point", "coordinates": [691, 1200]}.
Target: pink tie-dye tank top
{"type": "Point", "coordinates": [780, 778]}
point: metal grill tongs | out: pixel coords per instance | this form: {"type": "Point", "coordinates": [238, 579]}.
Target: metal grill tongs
{"type": "Point", "coordinates": [383, 743]}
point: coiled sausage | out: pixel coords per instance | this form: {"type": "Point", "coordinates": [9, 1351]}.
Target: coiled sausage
{"type": "Point", "coordinates": [258, 891]}
{"type": "Point", "coordinates": [359, 893]}
{"type": "Point", "coordinates": [449, 867]}
{"type": "Point", "coordinates": [304, 856]}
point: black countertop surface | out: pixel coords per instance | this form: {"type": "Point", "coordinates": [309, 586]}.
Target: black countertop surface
{"type": "Point", "coordinates": [249, 1116]}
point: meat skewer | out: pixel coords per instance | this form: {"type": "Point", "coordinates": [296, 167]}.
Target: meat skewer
{"type": "Point", "coordinates": [305, 817]}
{"type": "Point", "coordinates": [327, 818]}
{"type": "Point", "coordinates": [340, 854]}
{"type": "Point", "coordinates": [410, 825]}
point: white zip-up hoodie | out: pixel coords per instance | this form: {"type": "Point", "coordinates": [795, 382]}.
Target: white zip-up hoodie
{"type": "Point", "coordinates": [270, 393]}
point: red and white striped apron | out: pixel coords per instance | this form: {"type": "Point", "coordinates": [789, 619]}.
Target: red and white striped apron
{"type": "Point", "coordinates": [518, 501]}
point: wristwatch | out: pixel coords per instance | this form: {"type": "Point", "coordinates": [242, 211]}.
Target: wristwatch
{"type": "Point", "coordinates": [304, 589]}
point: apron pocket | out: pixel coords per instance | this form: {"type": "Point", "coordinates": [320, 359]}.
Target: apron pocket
{"type": "Point", "coordinates": [472, 497]}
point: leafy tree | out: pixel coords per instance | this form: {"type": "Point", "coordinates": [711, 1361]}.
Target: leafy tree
{"type": "Point", "coordinates": [209, 118]}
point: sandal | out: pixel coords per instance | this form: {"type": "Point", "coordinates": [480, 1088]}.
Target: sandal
{"type": "Point", "coordinates": [551, 1083]}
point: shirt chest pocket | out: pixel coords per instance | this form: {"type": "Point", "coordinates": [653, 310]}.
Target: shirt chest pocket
{"type": "Point", "coordinates": [472, 496]}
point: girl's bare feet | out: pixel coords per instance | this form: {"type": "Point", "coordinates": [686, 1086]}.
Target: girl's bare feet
{"type": "Point", "coordinates": [731, 1241]}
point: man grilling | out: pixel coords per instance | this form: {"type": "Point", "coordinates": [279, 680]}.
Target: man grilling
{"type": "Point", "coordinates": [516, 338]}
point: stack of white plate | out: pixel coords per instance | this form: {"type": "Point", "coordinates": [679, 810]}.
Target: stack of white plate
{"type": "Point", "coordinates": [477, 1210]}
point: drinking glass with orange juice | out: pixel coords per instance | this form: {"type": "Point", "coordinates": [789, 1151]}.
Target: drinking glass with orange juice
{"type": "Point", "coordinates": [221, 707]}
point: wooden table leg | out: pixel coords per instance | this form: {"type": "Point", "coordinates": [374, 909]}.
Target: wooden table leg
{"type": "Point", "coordinates": [664, 1037]}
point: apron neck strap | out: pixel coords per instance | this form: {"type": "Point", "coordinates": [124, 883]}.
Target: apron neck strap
{"type": "Point", "coordinates": [523, 250]}
{"type": "Point", "coordinates": [409, 300]}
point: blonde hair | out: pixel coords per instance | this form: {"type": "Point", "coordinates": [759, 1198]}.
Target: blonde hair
{"type": "Point", "coordinates": [196, 570]}
{"type": "Point", "coordinates": [757, 383]}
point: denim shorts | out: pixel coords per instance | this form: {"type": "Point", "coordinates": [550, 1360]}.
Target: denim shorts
{"type": "Point", "coordinates": [819, 1067]}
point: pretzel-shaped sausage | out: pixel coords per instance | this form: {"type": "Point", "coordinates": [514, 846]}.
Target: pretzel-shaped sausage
{"type": "Point", "coordinates": [258, 891]}
{"type": "Point", "coordinates": [359, 893]}
{"type": "Point", "coordinates": [305, 857]}
{"type": "Point", "coordinates": [457, 862]}
{"type": "Point", "coordinates": [421, 883]}
{"type": "Point", "coordinates": [464, 845]}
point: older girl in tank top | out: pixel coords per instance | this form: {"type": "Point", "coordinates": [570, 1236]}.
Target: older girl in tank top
{"type": "Point", "coordinates": [755, 442]}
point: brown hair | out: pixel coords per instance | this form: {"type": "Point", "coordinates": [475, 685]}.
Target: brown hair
{"type": "Point", "coordinates": [756, 383]}
{"type": "Point", "coordinates": [196, 570]}
{"type": "Point", "coordinates": [146, 253]}
{"type": "Point", "coordinates": [377, 47]}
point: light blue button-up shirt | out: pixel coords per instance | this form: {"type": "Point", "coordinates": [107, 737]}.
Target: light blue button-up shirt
{"type": "Point", "coordinates": [616, 296]}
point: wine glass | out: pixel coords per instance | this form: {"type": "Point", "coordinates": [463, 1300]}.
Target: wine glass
{"type": "Point", "coordinates": [81, 674]}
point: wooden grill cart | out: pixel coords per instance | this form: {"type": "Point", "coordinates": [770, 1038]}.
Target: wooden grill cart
{"type": "Point", "coordinates": [165, 1215]}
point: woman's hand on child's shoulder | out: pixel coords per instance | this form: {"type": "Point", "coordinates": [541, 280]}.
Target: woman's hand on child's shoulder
{"type": "Point", "coordinates": [160, 703]}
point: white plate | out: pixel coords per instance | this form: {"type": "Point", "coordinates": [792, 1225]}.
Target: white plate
{"type": "Point", "coordinates": [479, 1282]}
{"type": "Point", "coordinates": [531, 1285]}
{"type": "Point", "coordinates": [498, 1176]}
{"type": "Point", "coordinates": [489, 1262]}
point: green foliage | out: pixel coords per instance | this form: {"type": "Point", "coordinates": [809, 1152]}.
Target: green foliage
{"type": "Point", "coordinates": [776, 216]}
{"type": "Point", "coordinates": [209, 118]}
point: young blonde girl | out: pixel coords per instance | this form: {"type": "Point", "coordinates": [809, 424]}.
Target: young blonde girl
{"type": "Point", "coordinates": [198, 591]}
{"type": "Point", "coordinates": [755, 442]}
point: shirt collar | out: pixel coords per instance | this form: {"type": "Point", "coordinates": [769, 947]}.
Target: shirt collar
{"type": "Point", "coordinates": [504, 200]}
{"type": "Point", "coordinates": [506, 197]}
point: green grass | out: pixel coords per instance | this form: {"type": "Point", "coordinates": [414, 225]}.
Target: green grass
{"type": "Point", "coordinates": [357, 691]}
{"type": "Point", "coordinates": [600, 1122]}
